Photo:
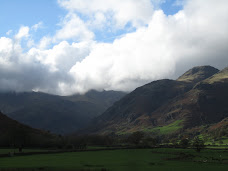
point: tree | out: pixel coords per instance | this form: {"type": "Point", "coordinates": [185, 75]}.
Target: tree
{"type": "Point", "coordinates": [136, 137]}
{"type": "Point", "coordinates": [149, 141]}
{"type": "Point", "coordinates": [19, 137]}
{"type": "Point", "coordinates": [198, 144]}
{"type": "Point", "coordinates": [220, 142]}
{"type": "Point", "coordinates": [174, 141]}
{"type": "Point", "coordinates": [184, 142]}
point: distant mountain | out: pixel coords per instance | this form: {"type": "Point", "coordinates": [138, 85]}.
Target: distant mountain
{"type": "Point", "coordinates": [14, 133]}
{"type": "Point", "coordinates": [58, 114]}
{"type": "Point", "coordinates": [104, 99]}
{"type": "Point", "coordinates": [196, 98]}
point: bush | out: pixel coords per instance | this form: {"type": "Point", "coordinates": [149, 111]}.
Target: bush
{"type": "Point", "coordinates": [184, 143]}
{"type": "Point", "coordinates": [136, 138]}
{"type": "Point", "coordinates": [198, 144]}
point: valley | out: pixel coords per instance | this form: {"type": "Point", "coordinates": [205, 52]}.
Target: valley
{"type": "Point", "coordinates": [167, 123]}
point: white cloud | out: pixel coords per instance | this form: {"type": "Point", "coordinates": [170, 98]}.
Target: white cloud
{"type": "Point", "coordinates": [35, 27]}
{"type": "Point", "coordinates": [128, 62]}
{"type": "Point", "coordinates": [5, 45]}
{"type": "Point", "coordinates": [73, 28]}
{"type": "Point", "coordinates": [119, 12]}
{"type": "Point", "coordinates": [166, 48]}
{"type": "Point", "coordinates": [98, 21]}
{"type": "Point", "coordinates": [41, 70]}
{"type": "Point", "coordinates": [161, 47]}
{"type": "Point", "coordinates": [62, 56]}
{"type": "Point", "coordinates": [44, 42]}
{"type": "Point", "coordinates": [23, 32]}
{"type": "Point", "coordinates": [9, 32]}
{"type": "Point", "coordinates": [180, 2]}
{"type": "Point", "coordinates": [30, 43]}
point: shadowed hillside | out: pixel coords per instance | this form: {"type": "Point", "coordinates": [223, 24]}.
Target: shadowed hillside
{"type": "Point", "coordinates": [58, 114]}
{"type": "Point", "coordinates": [15, 134]}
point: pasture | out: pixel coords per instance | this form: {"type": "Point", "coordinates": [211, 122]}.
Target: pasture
{"type": "Point", "coordinates": [121, 160]}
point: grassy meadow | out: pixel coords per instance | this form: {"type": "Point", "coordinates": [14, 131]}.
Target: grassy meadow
{"type": "Point", "coordinates": [122, 160]}
{"type": "Point", "coordinates": [15, 150]}
{"type": "Point", "coordinates": [166, 129]}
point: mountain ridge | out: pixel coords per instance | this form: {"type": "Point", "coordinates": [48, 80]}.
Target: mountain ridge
{"type": "Point", "coordinates": [185, 109]}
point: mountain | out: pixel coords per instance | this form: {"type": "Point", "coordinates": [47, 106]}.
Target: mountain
{"type": "Point", "coordinates": [17, 134]}
{"type": "Point", "coordinates": [196, 98]}
{"type": "Point", "coordinates": [142, 101]}
{"type": "Point", "coordinates": [104, 99]}
{"type": "Point", "coordinates": [58, 114]}
{"type": "Point", "coordinates": [205, 103]}
{"type": "Point", "coordinates": [198, 74]}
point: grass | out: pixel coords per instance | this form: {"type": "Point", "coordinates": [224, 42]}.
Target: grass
{"type": "Point", "coordinates": [217, 142]}
{"type": "Point", "coordinates": [189, 78]}
{"type": "Point", "coordinates": [218, 147]}
{"type": "Point", "coordinates": [166, 129]}
{"type": "Point", "coordinates": [123, 160]}
{"type": "Point", "coordinates": [97, 147]}
{"type": "Point", "coordinates": [218, 77]}
{"type": "Point", "coordinates": [15, 150]}
{"type": "Point", "coordinates": [225, 140]}
{"type": "Point", "coordinates": [160, 129]}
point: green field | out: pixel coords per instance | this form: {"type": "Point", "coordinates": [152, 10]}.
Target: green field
{"type": "Point", "coordinates": [166, 129]}
{"type": "Point", "coordinates": [122, 160]}
{"type": "Point", "coordinates": [217, 142]}
{"type": "Point", "coordinates": [15, 150]}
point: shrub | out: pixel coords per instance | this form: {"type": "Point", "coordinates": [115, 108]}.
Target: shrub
{"type": "Point", "coordinates": [198, 144]}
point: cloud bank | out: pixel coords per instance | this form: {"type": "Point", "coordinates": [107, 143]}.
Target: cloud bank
{"type": "Point", "coordinates": [160, 46]}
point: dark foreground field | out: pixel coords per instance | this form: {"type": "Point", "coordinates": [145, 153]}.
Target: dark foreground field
{"type": "Point", "coordinates": [124, 159]}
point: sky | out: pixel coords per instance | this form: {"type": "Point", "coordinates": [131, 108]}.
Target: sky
{"type": "Point", "coordinates": [71, 46]}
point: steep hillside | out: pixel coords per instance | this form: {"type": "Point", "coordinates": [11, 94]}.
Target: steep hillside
{"type": "Point", "coordinates": [167, 104]}
{"type": "Point", "coordinates": [143, 100]}
{"type": "Point", "coordinates": [58, 114]}
{"type": "Point", "coordinates": [220, 127]}
{"type": "Point", "coordinates": [206, 103]}
{"type": "Point", "coordinates": [15, 134]}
